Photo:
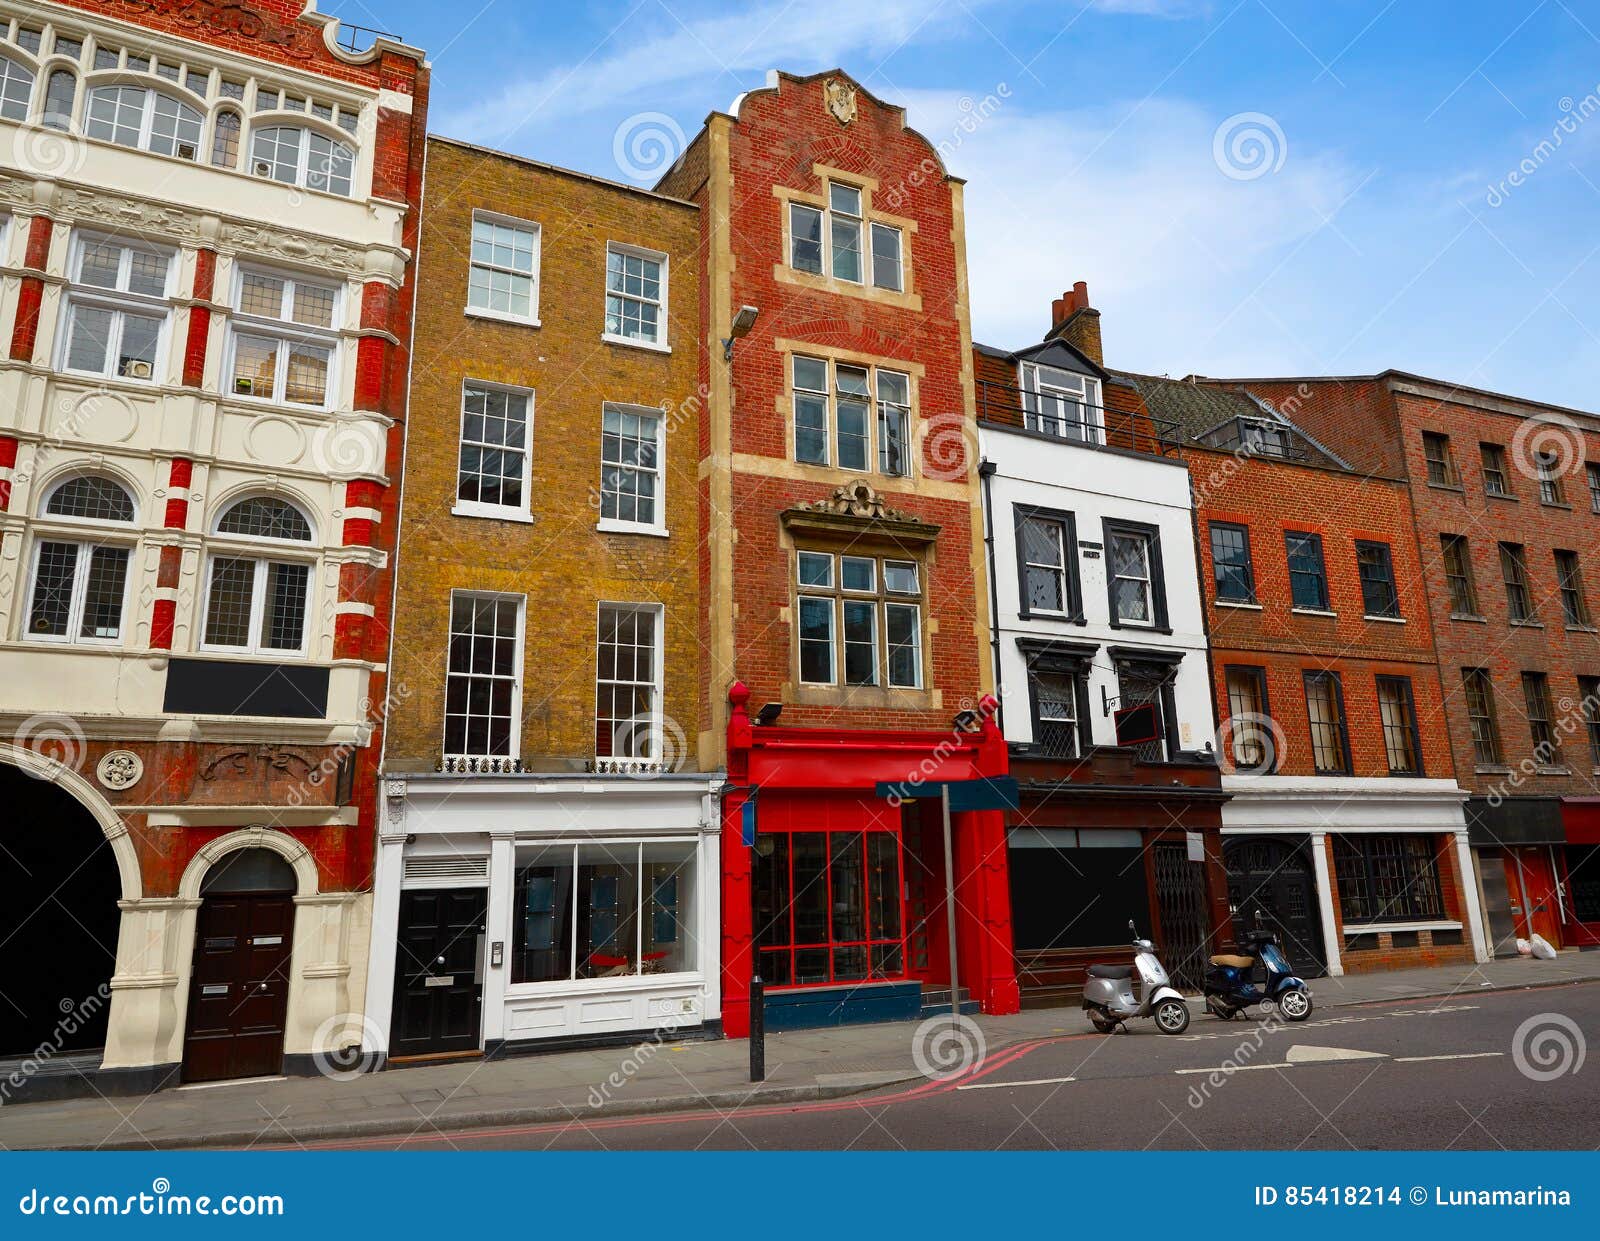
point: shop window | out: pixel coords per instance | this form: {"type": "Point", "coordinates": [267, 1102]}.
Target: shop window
{"type": "Point", "coordinates": [603, 909]}
{"type": "Point", "coordinates": [828, 908]}
{"type": "Point", "coordinates": [1583, 881]}
{"type": "Point", "coordinates": [1075, 889]}
{"type": "Point", "coordinates": [1386, 878]}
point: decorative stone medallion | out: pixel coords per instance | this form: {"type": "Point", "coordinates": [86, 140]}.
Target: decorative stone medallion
{"type": "Point", "coordinates": [841, 100]}
{"type": "Point", "coordinates": [120, 769]}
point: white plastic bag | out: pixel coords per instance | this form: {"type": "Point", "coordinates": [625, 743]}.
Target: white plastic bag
{"type": "Point", "coordinates": [1524, 948]}
{"type": "Point", "coordinates": [1540, 947]}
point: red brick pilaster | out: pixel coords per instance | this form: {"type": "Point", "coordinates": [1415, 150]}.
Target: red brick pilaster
{"type": "Point", "coordinates": [30, 294]}
{"type": "Point", "coordinates": [194, 350]}
{"type": "Point", "coordinates": [8, 463]}
{"type": "Point", "coordinates": [164, 613]}
{"type": "Point", "coordinates": [357, 606]}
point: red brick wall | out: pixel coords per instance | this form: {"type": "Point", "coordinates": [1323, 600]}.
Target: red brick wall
{"type": "Point", "coordinates": [1270, 498]}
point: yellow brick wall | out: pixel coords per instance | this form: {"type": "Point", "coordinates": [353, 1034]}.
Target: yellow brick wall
{"type": "Point", "coordinates": [560, 562]}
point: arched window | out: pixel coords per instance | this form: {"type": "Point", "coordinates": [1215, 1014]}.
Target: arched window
{"type": "Point", "coordinates": [249, 870]}
{"type": "Point", "coordinates": [16, 87]}
{"type": "Point", "coordinates": [80, 585]}
{"type": "Point", "coordinates": [60, 94]}
{"type": "Point", "coordinates": [225, 139]}
{"type": "Point", "coordinates": [135, 116]}
{"type": "Point", "coordinates": [91, 498]}
{"type": "Point", "coordinates": [297, 156]}
{"type": "Point", "coordinates": [258, 602]}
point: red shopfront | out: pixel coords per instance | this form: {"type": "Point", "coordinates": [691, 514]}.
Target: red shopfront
{"type": "Point", "coordinates": [848, 909]}
{"type": "Point", "coordinates": [1580, 860]}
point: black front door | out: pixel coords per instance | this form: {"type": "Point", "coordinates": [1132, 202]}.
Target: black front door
{"type": "Point", "coordinates": [438, 972]}
{"type": "Point", "coordinates": [1275, 877]}
{"type": "Point", "coordinates": [239, 987]}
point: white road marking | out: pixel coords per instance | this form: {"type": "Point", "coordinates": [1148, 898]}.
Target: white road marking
{"type": "Point", "coordinates": [1303, 1053]}
{"type": "Point", "coordinates": [1232, 1069]}
{"type": "Point", "coordinates": [1464, 1055]}
{"type": "Point", "coordinates": [1032, 1081]}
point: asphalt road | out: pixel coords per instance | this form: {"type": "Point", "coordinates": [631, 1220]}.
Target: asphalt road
{"type": "Point", "coordinates": [1437, 1074]}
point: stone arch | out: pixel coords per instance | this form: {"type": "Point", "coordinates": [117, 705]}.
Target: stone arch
{"type": "Point", "coordinates": [259, 837]}
{"type": "Point", "coordinates": [83, 791]}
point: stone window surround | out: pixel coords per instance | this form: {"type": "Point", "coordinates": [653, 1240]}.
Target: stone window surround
{"type": "Point", "coordinates": [907, 299]}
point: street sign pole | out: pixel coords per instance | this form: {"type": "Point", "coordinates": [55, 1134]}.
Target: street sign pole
{"type": "Point", "coordinates": [950, 902]}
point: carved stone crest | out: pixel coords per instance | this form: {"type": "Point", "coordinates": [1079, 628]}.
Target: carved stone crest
{"type": "Point", "coordinates": [119, 769]}
{"type": "Point", "coordinates": [840, 97]}
{"type": "Point", "coordinates": [857, 499]}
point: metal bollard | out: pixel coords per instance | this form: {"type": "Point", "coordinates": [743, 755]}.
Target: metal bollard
{"type": "Point", "coordinates": [758, 1030]}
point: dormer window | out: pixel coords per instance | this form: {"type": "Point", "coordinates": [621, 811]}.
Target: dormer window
{"type": "Point", "coordinates": [1061, 403]}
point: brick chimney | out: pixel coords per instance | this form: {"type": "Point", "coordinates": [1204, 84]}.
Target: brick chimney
{"type": "Point", "coordinates": [1073, 320]}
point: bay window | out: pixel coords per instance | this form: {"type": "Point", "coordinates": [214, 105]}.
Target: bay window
{"type": "Point", "coordinates": [859, 620]}
{"type": "Point", "coordinates": [847, 414]}
{"type": "Point", "coordinates": [116, 309]}
{"type": "Point", "coordinates": [604, 909]}
{"type": "Point", "coordinates": [284, 336]}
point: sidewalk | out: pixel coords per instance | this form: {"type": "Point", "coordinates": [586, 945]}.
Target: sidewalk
{"type": "Point", "coordinates": [801, 1066]}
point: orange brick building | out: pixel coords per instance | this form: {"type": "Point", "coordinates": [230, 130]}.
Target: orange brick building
{"type": "Point", "coordinates": [844, 554]}
{"type": "Point", "coordinates": [1345, 826]}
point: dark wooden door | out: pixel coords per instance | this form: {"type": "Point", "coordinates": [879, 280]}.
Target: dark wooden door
{"type": "Point", "coordinates": [239, 989]}
{"type": "Point", "coordinates": [438, 984]}
{"type": "Point", "coordinates": [1276, 878]}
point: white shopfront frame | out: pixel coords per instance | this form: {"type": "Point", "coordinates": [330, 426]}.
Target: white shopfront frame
{"type": "Point", "coordinates": [449, 826]}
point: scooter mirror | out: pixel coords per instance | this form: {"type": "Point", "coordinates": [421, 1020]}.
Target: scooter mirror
{"type": "Point", "coordinates": [1131, 927]}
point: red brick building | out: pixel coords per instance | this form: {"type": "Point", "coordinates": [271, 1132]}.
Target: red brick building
{"type": "Point", "coordinates": [207, 238]}
{"type": "Point", "coordinates": [1345, 825]}
{"type": "Point", "coordinates": [844, 553]}
{"type": "Point", "coordinates": [1506, 497]}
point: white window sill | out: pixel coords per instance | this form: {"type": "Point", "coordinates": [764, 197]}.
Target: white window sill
{"type": "Point", "coordinates": [619, 982]}
{"type": "Point", "coordinates": [465, 508]}
{"type": "Point", "coordinates": [1369, 928]}
{"type": "Point", "coordinates": [1313, 612]}
{"type": "Point", "coordinates": [636, 343]}
{"type": "Point", "coordinates": [500, 316]}
{"type": "Point", "coordinates": [1385, 620]}
{"type": "Point", "coordinates": [1238, 603]}
{"type": "Point", "coordinates": [607, 525]}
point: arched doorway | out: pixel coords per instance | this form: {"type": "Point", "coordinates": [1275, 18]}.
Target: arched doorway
{"type": "Point", "coordinates": [1276, 877]}
{"type": "Point", "coordinates": [239, 985]}
{"type": "Point", "coordinates": [58, 920]}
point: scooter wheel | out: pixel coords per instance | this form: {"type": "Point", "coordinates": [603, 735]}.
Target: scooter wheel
{"type": "Point", "coordinates": [1172, 1016]}
{"type": "Point", "coordinates": [1294, 1004]}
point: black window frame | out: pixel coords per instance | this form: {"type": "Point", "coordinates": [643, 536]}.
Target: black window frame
{"type": "Point", "coordinates": [1341, 721]}
{"type": "Point", "coordinates": [1538, 707]}
{"type": "Point", "coordinates": [1257, 673]}
{"type": "Point", "coordinates": [1159, 620]}
{"type": "Point", "coordinates": [1021, 514]}
{"type": "Point", "coordinates": [1321, 575]}
{"type": "Point", "coordinates": [1391, 607]}
{"type": "Point", "coordinates": [1569, 585]}
{"type": "Point", "coordinates": [1547, 471]}
{"type": "Point", "coordinates": [1249, 569]}
{"type": "Point", "coordinates": [1053, 658]}
{"type": "Point", "coordinates": [1448, 545]}
{"type": "Point", "coordinates": [1591, 472]}
{"type": "Point", "coordinates": [1408, 700]}
{"type": "Point", "coordinates": [1364, 863]}
{"type": "Point", "coordinates": [1484, 725]}
{"type": "Point", "coordinates": [1520, 607]}
{"type": "Point", "coordinates": [1589, 709]}
{"type": "Point", "coordinates": [1492, 466]}
{"type": "Point", "coordinates": [1447, 474]}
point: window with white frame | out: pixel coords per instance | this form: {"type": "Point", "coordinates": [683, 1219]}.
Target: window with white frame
{"type": "Point", "coordinates": [627, 711]}
{"type": "Point", "coordinates": [840, 241]}
{"type": "Point", "coordinates": [226, 132]}
{"type": "Point", "coordinates": [1133, 574]}
{"type": "Point", "coordinates": [630, 467]}
{"type": "Point", "coordinates": [848, 415]}
{"type": "Point", "coordinates": [145, 119]}
{"type": "Point", "coordinates": [860, 620]}
{"type": "Point", "coordinates": [284, 336]}
{"type": "Point", "coordinates": [16, 89]}
{"type": "Point", "coordinates": [504, 278]}
{"type": "Point", "coordinates": [483, 682]}
{"type": "Point", "coordinates": [492, 477]}
{"type": "Point", "coordinates": [80, 583]}
{"type": "Point", "coordinates": [1060, 403]}
{"type": "Point", "coordinates": [1046, 548]}
{"type": "Point", "coordinates": [298, 156]}
{"type": "Point", "coordinates": [636, 295]}
{"type": "Point", "coordinates": [116, 312]}
{"type": "Point", "coordinates": [257, 601]}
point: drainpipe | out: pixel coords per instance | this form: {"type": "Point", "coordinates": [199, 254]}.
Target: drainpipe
{"type": "Point", "coordinates": [986, 471]}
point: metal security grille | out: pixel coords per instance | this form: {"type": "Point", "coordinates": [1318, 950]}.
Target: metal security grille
{"type": "Point", "coordinates": [1181, 898]}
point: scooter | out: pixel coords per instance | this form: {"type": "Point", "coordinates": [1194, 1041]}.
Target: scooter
{"type": "Point", "coordinates": [1109, 1000]}
{"type": "Point", "coordinates": [1232, 984]}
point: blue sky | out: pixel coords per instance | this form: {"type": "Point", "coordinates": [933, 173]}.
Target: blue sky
{"type": "Point", "coordinates": [1373, 224]}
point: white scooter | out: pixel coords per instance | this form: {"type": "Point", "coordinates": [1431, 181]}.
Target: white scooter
{"type": "Point", "coordinates": [1108, 995]}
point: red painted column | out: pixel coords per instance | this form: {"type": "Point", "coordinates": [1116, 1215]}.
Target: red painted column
{"type": "Point", "coordinates": [357, 605]}
{"type": "Point", "coordinates": [30, 295]}
{"type": "Point", "coordinates": [164, 612]}
{"type": "Point", "coordinates": [738, 933]}
{"type": "Point", "coordinates": [8, 465]}
{"type": "Point", "coordinates": [372, 350]}
{"type": "Point", "coordinates": [194, 349]}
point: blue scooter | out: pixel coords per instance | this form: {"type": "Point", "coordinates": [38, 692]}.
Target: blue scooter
{"type": "Point", "coordinates": [1235, 981]}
